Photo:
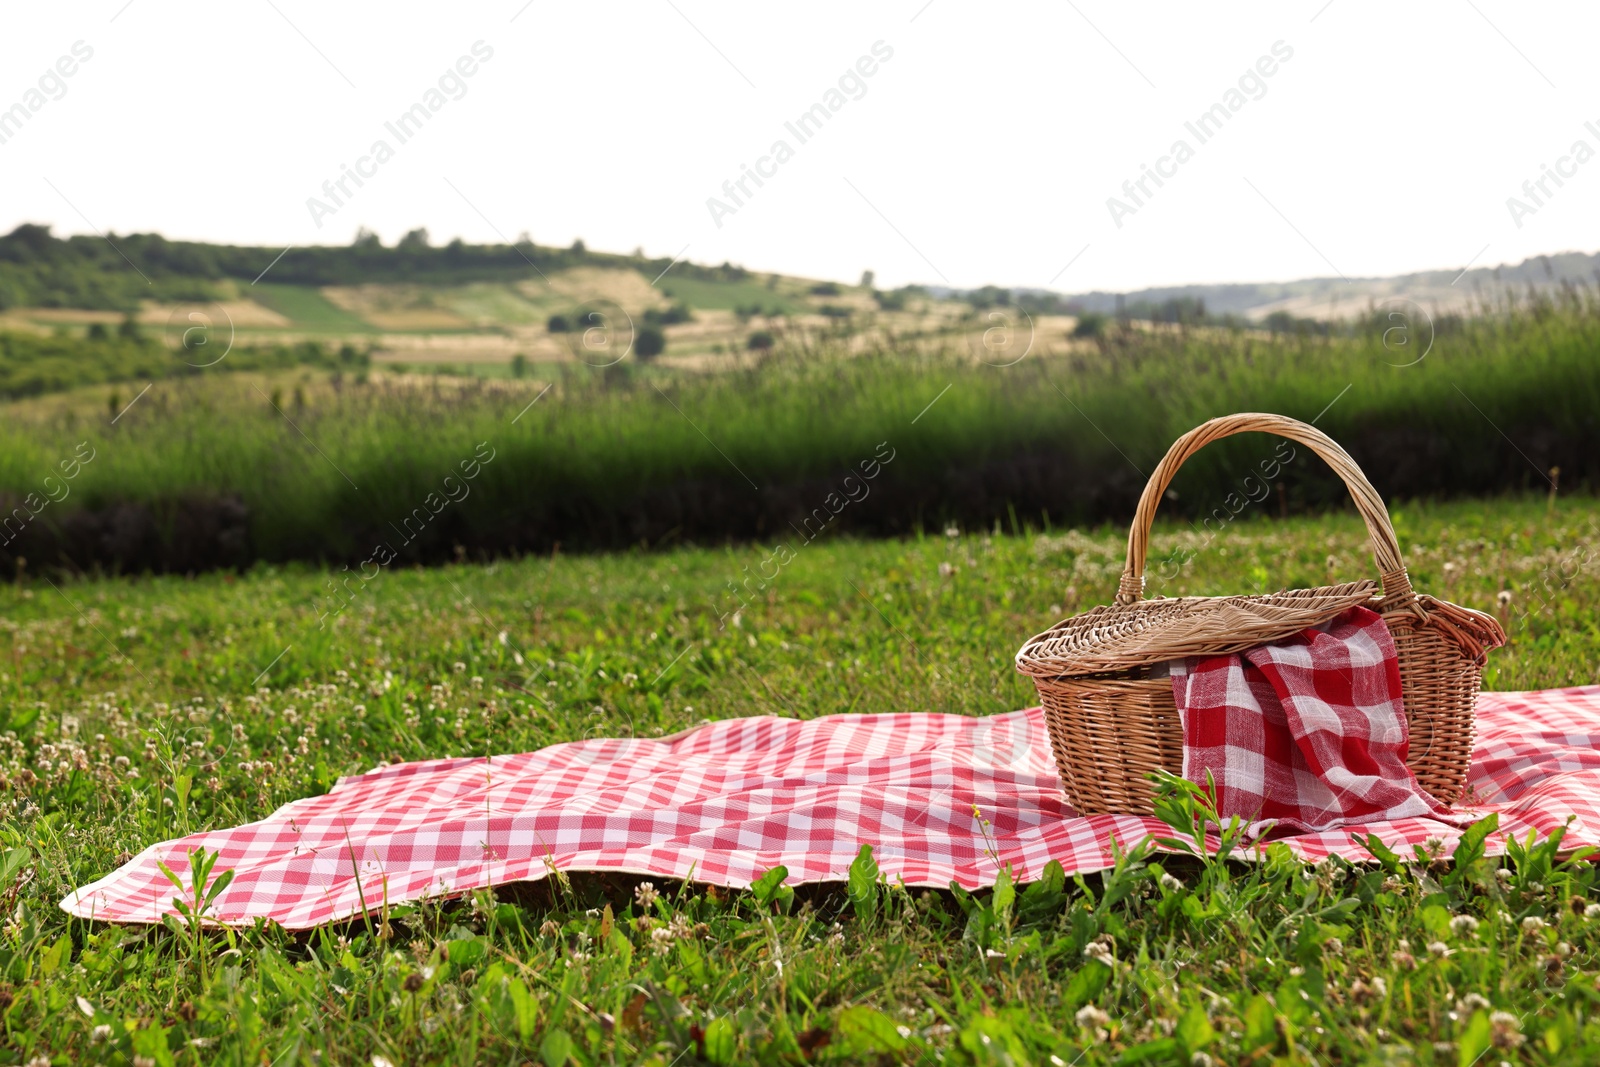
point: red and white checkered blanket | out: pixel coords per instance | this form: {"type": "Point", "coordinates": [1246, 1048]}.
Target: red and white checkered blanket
{"type": "Point", "coordinates": [725, 802]}
{"type": "Point", "coordinates": [1307, 732]}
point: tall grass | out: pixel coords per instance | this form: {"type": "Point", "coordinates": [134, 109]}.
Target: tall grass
{"type": "Point", "coordinates": [631, 454]}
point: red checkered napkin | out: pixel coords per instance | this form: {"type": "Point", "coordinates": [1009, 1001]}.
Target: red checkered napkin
{"type": "Point", "coordinates": [1307, 732]}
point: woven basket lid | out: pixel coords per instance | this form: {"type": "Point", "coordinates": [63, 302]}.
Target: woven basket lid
{"type": "Point", "coordinates": [1121, 636]}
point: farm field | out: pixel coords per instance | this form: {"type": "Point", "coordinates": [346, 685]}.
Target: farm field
{"type": "Point", "coordinates": [492, 322]}
{"type": "Point", "coordinates": [138, 709]}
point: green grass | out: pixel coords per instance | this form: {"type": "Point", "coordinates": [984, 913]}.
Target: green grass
{"type": "Point", "coordinates": [494, 303]}
{"type": "Point", "coordinates": [1267, 962]}
{"type": "Point", "coordinates": [726, 296]}
{"type": "Point", "coordinates": [307, 308]}
{"type": "Point", "coordinates": [32, 366]}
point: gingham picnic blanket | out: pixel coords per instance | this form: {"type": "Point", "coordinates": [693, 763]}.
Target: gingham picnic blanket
{"type": "Point", "coordinates": [725, 802]}
{"type": "Point", "coordinates": [1306, 732]}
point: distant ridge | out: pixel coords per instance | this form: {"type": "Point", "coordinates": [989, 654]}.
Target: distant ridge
{"type": "Point", "coordinates": [1334, 298]}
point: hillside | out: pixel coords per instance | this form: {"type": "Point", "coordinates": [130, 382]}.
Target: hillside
{"type": "Point", "coordinates": [275, 463]}
{"type": "Point", "coordinates": [496, 310]}
{"type": "Point", "coordinates": [464, 308]}
{"type": "Point", "coordinates": [1328, 299]}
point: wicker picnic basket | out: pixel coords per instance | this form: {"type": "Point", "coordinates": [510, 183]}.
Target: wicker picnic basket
{"type": "Point", "coordinates": [1108, 700]}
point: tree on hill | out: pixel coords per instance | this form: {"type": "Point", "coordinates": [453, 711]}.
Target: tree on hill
{"type": "Point", "coordinates": [650, 342]}
{"type": "Point", "coordinates": [38, 269]}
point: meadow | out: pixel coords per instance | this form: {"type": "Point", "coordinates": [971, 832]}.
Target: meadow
{"type": "Point", "coordinates": [322, 465]}
{"type": "Point", "coordinates": [227, 586]}
{"type": "Point", "coordinates": [139, 709]}
{"type": "Point", "coordinates": [32, 366]}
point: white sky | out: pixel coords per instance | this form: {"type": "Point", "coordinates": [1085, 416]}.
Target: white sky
{"type": "Point", "coordinates": [983, 151]}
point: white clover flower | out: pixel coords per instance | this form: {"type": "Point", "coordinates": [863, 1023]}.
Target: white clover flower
{"type": "Point", "coordinates": [645, 894]}
{"type": "Point", "coordinates": [1438, 948]}
{"type": "Point", "coordinates": [1463, 924]}
{"type": "Point", "coordinates": [1102, 948]}
{"type": "Point", "coordinates": [1090, 1016]}
{"type": "Point", "coordinates": [1533, 924]}
{"type": "Point", "coordinates": [1170, 884]}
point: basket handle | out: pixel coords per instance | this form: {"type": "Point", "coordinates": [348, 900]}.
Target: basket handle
{"type": "Point", "coordinates": [1385, 548]}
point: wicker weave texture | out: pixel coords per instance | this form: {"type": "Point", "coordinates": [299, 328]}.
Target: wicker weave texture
{"type": "Point", "coordinates": [1112, 724]}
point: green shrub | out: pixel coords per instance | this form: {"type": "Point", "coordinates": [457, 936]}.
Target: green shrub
{"type": "Point", "coordinates": [1090, 324]}
{"type": "Point", "coordinates": [989, 296]}
{"type": "Point", "coordinates": [650, 342]}
{"type": "Point", "coordinates": [669, 316]}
